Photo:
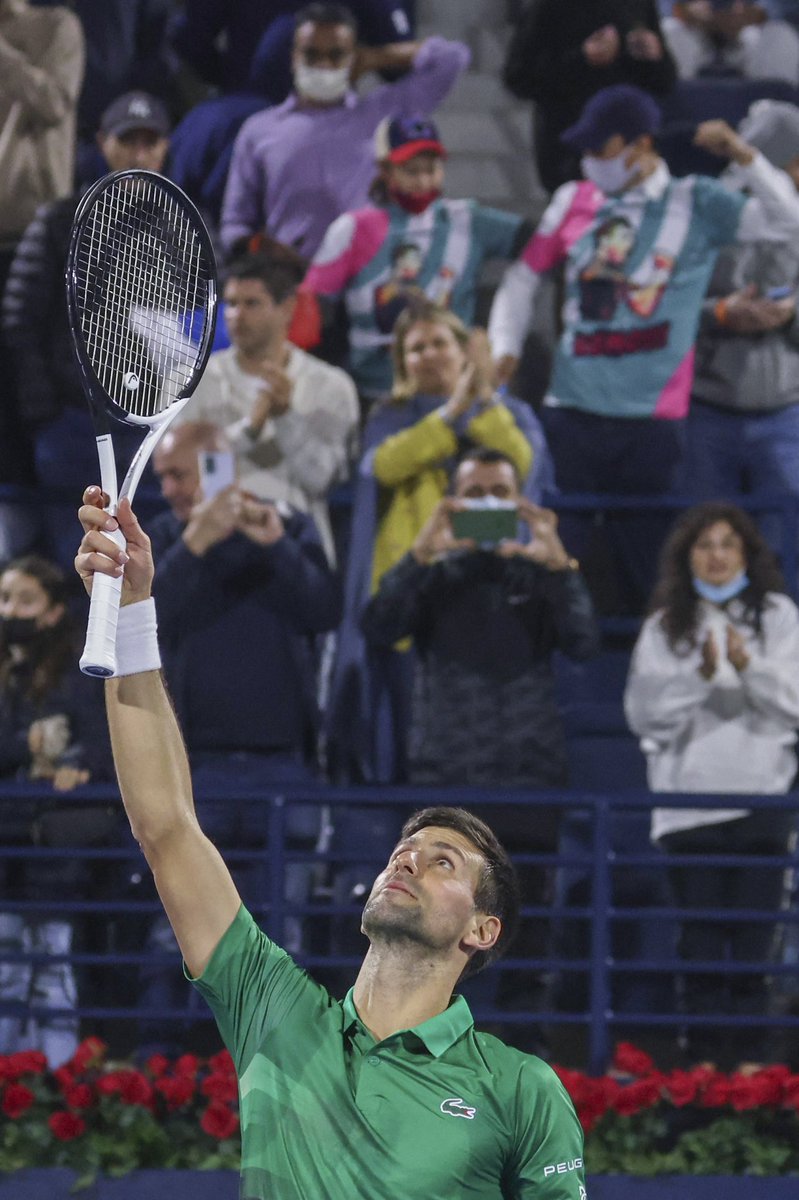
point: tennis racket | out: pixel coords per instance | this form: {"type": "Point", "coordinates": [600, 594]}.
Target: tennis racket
{"type": "Point", "coordinates": [141, 294]}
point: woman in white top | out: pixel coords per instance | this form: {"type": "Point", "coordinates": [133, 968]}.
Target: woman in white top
{"type": "Point", "coordinates": [713, 694]}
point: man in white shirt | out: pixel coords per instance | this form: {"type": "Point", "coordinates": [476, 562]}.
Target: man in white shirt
{"type": "Point", "coordinates": [291, 419]}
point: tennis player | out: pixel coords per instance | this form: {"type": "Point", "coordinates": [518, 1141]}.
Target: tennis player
{"type": "Point", "coordinates": [391, 1092]}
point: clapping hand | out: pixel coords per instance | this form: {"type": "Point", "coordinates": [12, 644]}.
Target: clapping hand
{"type": "Point", "coordinates": [602, 47]}
{"type": "Point", "coordinates": [736, 649]}
{"type": "Point", "coordinates": [274, 399]}
{"type": "Point", "coordinates": [710, 657]}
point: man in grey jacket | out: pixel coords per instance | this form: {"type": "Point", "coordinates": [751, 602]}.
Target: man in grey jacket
{"type": "Point", "coordinates": [742, 435]}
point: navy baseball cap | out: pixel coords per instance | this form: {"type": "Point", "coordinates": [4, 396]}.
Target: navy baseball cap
{"type": "Point", "coordinates": [622, 109]}
{"type": "Point", "coordinates": [399, 138]}
{"type": "Point", "coordinates": [135, 110]}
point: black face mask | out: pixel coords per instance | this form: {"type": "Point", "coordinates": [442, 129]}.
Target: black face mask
{"type": "Point", "coordinates": [19, 631]}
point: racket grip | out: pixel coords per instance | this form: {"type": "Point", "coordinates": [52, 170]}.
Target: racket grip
{"type": "Point", "coordinates": [99, 656]}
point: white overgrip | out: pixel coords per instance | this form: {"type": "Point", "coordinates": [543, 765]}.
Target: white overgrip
{"type": "Point", "coordinates": [99, 653]}
{"type": "Point", "coordinates": [99, 656]}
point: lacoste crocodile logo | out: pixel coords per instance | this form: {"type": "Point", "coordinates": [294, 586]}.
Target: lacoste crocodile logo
{"type": "Point", "coordinates": [456, 1107]}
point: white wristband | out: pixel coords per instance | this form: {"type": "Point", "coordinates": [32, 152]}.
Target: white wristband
{"type": "Point", "coordinates": [137, 639]}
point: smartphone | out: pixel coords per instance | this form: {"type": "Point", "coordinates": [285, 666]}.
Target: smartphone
{"type": "Point", "coordinates": [217, 471]}
{"type": "Point", "coordinates": [780, 293]}
{"type": "Point", "coordinates": [487, 522]}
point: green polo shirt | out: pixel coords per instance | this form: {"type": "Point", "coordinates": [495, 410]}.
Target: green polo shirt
{"type": "Point", "coordinates": [438, 1112]}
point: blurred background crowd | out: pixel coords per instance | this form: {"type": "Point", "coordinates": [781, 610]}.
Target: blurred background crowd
{"type": "Point", "coordinates": [492, 479]}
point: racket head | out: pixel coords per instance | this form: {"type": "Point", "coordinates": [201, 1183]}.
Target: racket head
{"type": "Point", "coordinates": [141, 295]}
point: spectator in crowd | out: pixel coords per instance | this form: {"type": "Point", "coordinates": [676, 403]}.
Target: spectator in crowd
{"type": "Point", "coordinates": [410, 243]}
{"type": "Point", "coordinates": [134, 132]}
{"type": "Point", "coordinates": [243, 590]}
{"type": "Point", "coordinates": [638, 248]}
{"type": "Point", "coordinates": [51, 731]}
{"type": "Point", "coordinates": [731, 37]}
{"type": "Point", "coordinates": [712, 694]}
{"type": "Point", "coordinates": [298, 166]}
{"type": "Point", "coordinates": [742, 433]}
{"type": "Point", "coordinates": [291, 419]}
{"type": "Point", "coordinates": [248, 46]}
{"type": "Point", "coordinates": [442, 399]}
{"type": "Point", "coordinates": [485, 622]}
{"type": "Point", "coordinates": [41, 60]}
{"type": "Point", "coordinates": [126, 50]}
{"type": "Point", "coordinates": [562, 54]}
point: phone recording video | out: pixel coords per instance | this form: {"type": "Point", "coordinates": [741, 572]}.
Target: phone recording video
{"type": "Point", "coordinates": [486, 521]}
{"type": "Point", "coordinates": [217, 471]}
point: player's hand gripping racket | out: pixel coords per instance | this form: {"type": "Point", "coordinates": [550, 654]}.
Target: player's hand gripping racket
{"type": "Point", "coordinates": [141, 292]}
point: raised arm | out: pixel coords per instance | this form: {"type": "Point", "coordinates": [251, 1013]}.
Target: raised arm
{"type": "Point", "coordinates": [193, 882]}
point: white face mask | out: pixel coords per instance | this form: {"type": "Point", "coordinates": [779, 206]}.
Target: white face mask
{"type": "Point", "coordinates": [325, 85]}
{"type": "Point", "coordinates": [610, 175]}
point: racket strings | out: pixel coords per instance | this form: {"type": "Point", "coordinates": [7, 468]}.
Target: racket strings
{"type": "Point", "coordinates": [144, 283]}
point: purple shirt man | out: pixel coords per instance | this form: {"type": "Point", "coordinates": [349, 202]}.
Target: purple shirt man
{"type": "Point", "coordinates": [300, 165]}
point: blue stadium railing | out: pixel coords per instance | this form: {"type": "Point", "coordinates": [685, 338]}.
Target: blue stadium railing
{"type": "Point", "coordinates": [593, 857]}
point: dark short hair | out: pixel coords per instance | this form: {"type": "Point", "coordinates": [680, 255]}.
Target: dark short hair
{"type": "Point", "coordinates": [497, 893]}
{"type": "Point", "coordinates": [326, 14]}
{"type": "Point", "coordinates": [484, 454]}
{"type": "Point", "coordinates": [279, 268]}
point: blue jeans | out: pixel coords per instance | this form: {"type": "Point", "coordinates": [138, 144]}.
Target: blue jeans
{"type": "Point", "coordinates": [734, 454]}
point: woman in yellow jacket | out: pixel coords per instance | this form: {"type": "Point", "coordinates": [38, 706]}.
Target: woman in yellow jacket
{"type": "Point", "coordinates": [442, 402]}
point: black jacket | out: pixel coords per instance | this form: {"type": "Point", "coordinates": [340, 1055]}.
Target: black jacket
{"type": "Point", "coordinates": [35, 321]}
{"type": "Point", "coordinates": [485, 629]}
{"type": "Point", "coordinates": [545, 63]}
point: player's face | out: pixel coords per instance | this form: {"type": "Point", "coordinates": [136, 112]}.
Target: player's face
{"type": "Point", "coordinates": [718, 554]}
{"type": "Point", "coordinates": [177, 469]}
{"type": "Point", "coordinates": [425, 895]}
{"type": "Point", "coordinates": [434, 358]}
{"type": "Point", "coordinates": [22, 596]}
{"type": "Point", "coordinates": [419, 175]}
{"type": "Point", "coordinates": [475, 480]}
{"type": "Point", "coordinates": [251, 315]}
{"type": "Point", "coordinates": [140, 149]}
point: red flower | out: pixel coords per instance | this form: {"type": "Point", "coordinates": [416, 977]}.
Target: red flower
{"type": "Point", "coordinates": [64, 1078]}
{"type": "Point", "coordinates": [715, 1092]}
{"type": "Point", "coordinates": [131, 1086]}
{"type": "Point", "coordinates": [187, 1064]}
{"type": "Point", "coordinates": [24, 1062]}
{"type": "Point", "coordinates": [157, 1065]}
{"type": "Point", "coordinates": [760, 1090]}
{"type": "Point", "coordinates": [218, 1121]}
{"type": "Point", "coordinates": [790, 1090]}
{"type": "Point", "coordinates": [592, 1097]}
{"type": "Point", "coordinates": [220, 1087]}
{"type": "Point", "coordinates": [136, 1089]}
{"type": "Point", "coordinates": [89, 1053]}
{"type": "Point", "coordinates": [66, 1126]}
{"type": "Point", "coordinates": [682, 1087]}
{"type": "Point", "coordinates": [79, 1096]}
{"type": "Point", "coordinates": [176, 1092]}
{"type": "Point", "coordinates": [629, 1060]}
{"type": "Point", "coordinates": [644, 1093]}
{"type": "Point", "coordinates": [17, 1099]}
{"type": "Point", "coordinates": [110, 1083]}
{"type": "Point", "coordinates": [222, 1063]}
